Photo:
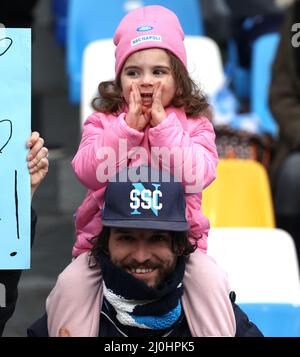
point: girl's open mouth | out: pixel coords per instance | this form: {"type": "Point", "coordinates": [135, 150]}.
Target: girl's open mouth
{"type": "Point", "coordinates": [146, 99]}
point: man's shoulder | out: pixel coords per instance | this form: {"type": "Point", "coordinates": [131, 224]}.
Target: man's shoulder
{"type": "Point", "coordinates": [83, 269]}
{"type": "Point", "coordinates": [205, 264]}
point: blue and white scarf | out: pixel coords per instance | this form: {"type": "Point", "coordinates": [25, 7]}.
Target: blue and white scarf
{"type": "Point", "coordinates": [131, 303]}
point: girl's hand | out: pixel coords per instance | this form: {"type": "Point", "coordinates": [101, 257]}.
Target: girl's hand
{"type": "Point", "coordinates": [137, 117]}
{"type": "Point", "coordinates": [37, 158]}
{"type": "Point", "coordinates": [158, 113]}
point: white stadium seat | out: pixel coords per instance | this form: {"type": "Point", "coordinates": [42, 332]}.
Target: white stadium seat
{"type": "Point", "coordinates": [261, 263]}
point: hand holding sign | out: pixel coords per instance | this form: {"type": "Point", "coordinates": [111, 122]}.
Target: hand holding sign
{"type": "Point", "coordinates": [37, 160]}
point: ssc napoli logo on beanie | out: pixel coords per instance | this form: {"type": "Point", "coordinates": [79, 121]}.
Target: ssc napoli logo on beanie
{"type": "Point", "coordinates": [142, 198]}
{"type": "Point", "coordinates": [144, 28]}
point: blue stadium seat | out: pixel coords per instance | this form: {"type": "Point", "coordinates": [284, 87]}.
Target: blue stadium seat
{"type": "Point", "coordinates": [91, 20]}
{"type": "Point", "coordinates": [275, 320]}
{"type": "Point", "coordinates": [240, 48]}
{"type": "Point", "coordinates": [263, 54]}
{"type": "Point", "coordinates": [239, 75]}
{"type": "Point", "coordinates": [60, 11]}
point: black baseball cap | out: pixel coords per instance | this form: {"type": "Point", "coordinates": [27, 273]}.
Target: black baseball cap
{"type": "Point", "coordinates": [145, 198]}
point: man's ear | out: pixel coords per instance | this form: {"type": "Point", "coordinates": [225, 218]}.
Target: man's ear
{"type": "Point", "coordinates": [5, 44]}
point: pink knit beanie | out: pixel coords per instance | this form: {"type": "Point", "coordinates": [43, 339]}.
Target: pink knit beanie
{"type": "Point", "coordinates": [148, 27]}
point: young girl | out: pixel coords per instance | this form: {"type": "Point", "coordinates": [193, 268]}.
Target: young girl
{"type": "Point", "coordinates": [153, 103]}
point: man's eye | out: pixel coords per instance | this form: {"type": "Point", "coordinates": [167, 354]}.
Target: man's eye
{"type": "Point", "coordinates": [159, 238]}
{"type": "Point", "coordinates": [126, 238]}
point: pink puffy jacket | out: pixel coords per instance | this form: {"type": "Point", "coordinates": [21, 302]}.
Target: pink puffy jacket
{"type": "Point", "coordinates": [101, 154]}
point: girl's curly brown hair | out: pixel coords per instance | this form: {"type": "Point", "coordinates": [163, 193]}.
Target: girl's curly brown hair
{"type": "Point", "coordinates": [188, 95]}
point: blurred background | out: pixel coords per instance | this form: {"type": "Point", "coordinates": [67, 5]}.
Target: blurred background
{"type": "Point", "coordinates": [64, 79]}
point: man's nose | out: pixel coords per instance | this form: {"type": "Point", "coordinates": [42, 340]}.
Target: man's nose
{"type": "Point", "coordinates": [141, 253]}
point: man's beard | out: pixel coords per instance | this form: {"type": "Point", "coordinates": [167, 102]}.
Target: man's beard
{"type": "Point", "coordinates": [158, 276]}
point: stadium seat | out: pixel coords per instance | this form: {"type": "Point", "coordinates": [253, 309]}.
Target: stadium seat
{"type": "Point", "coordinates": [240, 47]}
{"type": "Point", "coordinates": [98, 66]}
{"type": "Point", "coordinates": [205, 63]}
{"type": "Point", "coordinates": [261, 263]}
{"type": "Point", "coordinates": [240, 196]}
{"type": "Point", "coordinates": [91, 20]}
{"type": "Point", "coordinates": [275, 320]}
{"type": "Point", "coordinates": [263, 54]}
{"type": "Point", "coordinates": [60, 11]}
{"type": "Point", "coordinates": [239, 75]}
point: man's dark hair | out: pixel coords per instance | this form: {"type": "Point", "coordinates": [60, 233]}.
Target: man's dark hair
{"type": "Point", "coordinates": [180, 243]}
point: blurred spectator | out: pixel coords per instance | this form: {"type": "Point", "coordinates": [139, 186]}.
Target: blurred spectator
{"type": "Point", "coordinates": [225, 19]}
{"type": "Point", "coordinates": [251, 21]}
{"type": "Point", "coordinates": [241, 9]}
{"type": "Point", "coordinates": [285, 107]}
{"type": "Point", "coordinates": [17, 13]}
{"type": "Point", "coordinates": [216, 16]}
